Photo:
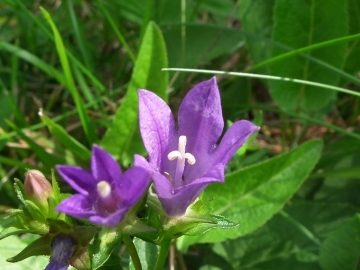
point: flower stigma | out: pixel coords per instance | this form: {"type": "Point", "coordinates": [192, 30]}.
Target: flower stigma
{"type": "Point", "coordinates": [181, 156]}
{"type": "Point", "coordinates": [103, 189]}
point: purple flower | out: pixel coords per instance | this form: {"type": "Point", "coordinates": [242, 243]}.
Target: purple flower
{"type": "Point", "coordinates": [62, 250]}
{"type": "Point", "coordinates": [186, 157]}
{"type": "Point", "coordinates": [105, 195]}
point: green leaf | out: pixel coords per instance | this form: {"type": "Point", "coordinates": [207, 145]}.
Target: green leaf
{"type": "Point", "coordinates": [11, 227]}
{"type": "Point", "coordinates": [48, 159]}
{"type": "Point", "coordinates": [147, 74]}
{"type": "Point", "coordinates": [298, 25]}
{"type": "Point", "coordinates": [342, 248]}
{"type": "Point", "coordinates": [56, 188]}
{"type": "Point", "coordinates": [66, 140]}
{"type": "Point", "coordinates": [281, 243]}
{"type": "Point", "coordinates": [41, 246]}
{"type": "Point", "coordinates": [257, 19]}
{"type": "Point", "coordinates": [116, 30]}
{"type": "Point", "coordinates": [219, 222]}
{"type": "Point", "coordinates": [104, 244]}
{"type": "Point", "coordinates": [352, 64]}
{"type": "Point", "coordinates": [9, 247]}
{"type": "Point", "coordinates": [34, 60]}
{"type": "Point", "coordinates": [202, 43]}
{"type": "Point", "coordinates": [147, 252]}
{"type": "Point", "coordinates": [70, 84]}
{"type": "Point", "coordinates": [253, 195]}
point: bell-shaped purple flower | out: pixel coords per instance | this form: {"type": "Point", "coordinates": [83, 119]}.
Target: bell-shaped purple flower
{"type": "Point", "coordinates": [105, 194]}
{"type": "Point", "coordinates": [62, 249]}
{"type": "Point", "coordinates": [186, 157]}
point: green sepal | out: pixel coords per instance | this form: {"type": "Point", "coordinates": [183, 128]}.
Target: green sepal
{"type": "Point", "coordinates": [104, 244]}
{"type": "Point", "coordinates": [132, 225]}
{"type": "Point", "coordinates": [220, 223]}
{"type": "Point", "coordinates": [36, 213]}
{"type": "Point", "coordinates": [12, 227]}
{"type": "Point", "coordinates": [19, 190]}
{"type": "Point", "coordinates": [82, 235]}
{"type": "Point", "coordinates": [56, 189]}
{"type": "Point", "coordinates": [81, 259]}
{"type": "Point", "coordinates": [23, 221]}
{"type": "Point", "coordinates": [197, 220]}
{"type": "Point", "coordinates": [41, 246]}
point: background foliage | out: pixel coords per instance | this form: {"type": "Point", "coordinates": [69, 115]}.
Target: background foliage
{"type": "Point", "coordinates": [81, 62]}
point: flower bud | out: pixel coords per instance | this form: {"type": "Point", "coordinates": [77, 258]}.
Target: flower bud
{"type": "Point", "coordinates": [37, 187]}
{"type": "Point", "coordinates": [62, 250]}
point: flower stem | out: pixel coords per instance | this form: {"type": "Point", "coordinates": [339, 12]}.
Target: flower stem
{"type": "Point", "coordinates": [164, 250]}
{"type": "Point", "coordinates": [132, 251]}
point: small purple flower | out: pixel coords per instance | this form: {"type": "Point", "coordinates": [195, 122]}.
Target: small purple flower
{"type": "Point", "coordinates": [185, 158]}
{"type": "Point", "coordinates": [62, 249]}
{"type": "Point", "coordinates": [105, 195]}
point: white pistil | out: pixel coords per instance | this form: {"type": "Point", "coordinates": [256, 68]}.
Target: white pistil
{"type": "Point", "coordinates": [103, 189]}
{"type": "Point", "coordinates": [181, 156]}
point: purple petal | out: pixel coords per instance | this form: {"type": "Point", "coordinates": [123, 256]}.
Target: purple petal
{"type": "Point", "coordinates": [103, 165]}
{"type": "Point", "coordinates": [233, 139]}
{"type": "Point", "coordinates": [162, 185]}
{"type": "Point", "coordinates": [111, 220]}
{"type": "Point", "coordinates": [176, 202]}
{"type": "Point", "coordinates": [200, 118]}
{"type": "Point", "coordinates": [63, 248]}
{"type": "Point", "coordinates": [142, 162]}
{"type": "Point", "coordinates": [79, 179]}
{"type": "Point", "coordinates": [133, 185]}
{"type": "Point", "coordinates": [157, 125]}
{"type": "Point", "coordinates": [78, 206]}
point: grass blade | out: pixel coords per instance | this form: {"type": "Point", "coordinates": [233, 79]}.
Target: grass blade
{"type": "Point", "coordinates": [85, 121]}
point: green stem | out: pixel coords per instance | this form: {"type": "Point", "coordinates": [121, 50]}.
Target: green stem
{"type": "Point", "coordinates": [132, 251]}
{"type": "Point", "coordinates": [164, 251]}
{"type": "Point", "coordinates": [266, 77]}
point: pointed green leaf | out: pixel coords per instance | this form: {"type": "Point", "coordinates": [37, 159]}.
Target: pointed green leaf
{"type": "Point", "coordinates": [123, 135]}
{"type": "Point", "coordinates": [352, 59]}
{"type": "Point", "coordinates": [253, 195]}
{"type": "Point", "coordinates": [19, 190]}
{"type": "Point", "coordinates": [41, 246]}
{"type": "Point", "coordinates": [219, 223]}
{"type": "Point", "coordinates": [280, 242]}
{"type": "Point", "coordinates": [341, 250]}
{"type": "Point", "coordinates": [55, 186]}
{"type": "Point", "coordinates": [66, 140]}
{"type": "Point", "coordinates": [257, 20]}
{"type": "Point", "coordinates": [9, 247]}
{"type": "Point", "coordinates": [298, 25]}
{"type": "Point", "coordinates": [104, 244]}
{"type": "Point", "coordinates": [70, 84]}
{"type": "Point", "coordinates": [147, 252]}
{"type": "Point", "coordinates": [48, 159]}
{"type": "Point", "coordinates": [11, 227]}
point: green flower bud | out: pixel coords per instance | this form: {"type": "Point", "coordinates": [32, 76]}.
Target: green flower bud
{"type": "Point", "coordinates": [37, 188]}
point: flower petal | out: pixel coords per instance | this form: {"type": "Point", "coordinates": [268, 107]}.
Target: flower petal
{"type": "Point", "coordinates": [78, 206]}
{"type": "Point", "coordinates": [176, 202]}
{"type": "Point", "coordinates": [200, 118]}
{"type": "Point", "coordinates": [79, 179]}
{"type": "Point", "coordinates": [133, 185]}
{"type": "Point", "coordinates": [111, 220]}
{"type": "Point", "coordinates": [157, 125]}
{"type": "Point", "coordinates": [163, 184]}
{"type": "Point", "coordinates": [103, 165]}
{"type": "Point", "coordinates": [233, 139]}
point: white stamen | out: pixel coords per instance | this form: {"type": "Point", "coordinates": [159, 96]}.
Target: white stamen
{"type": "Point", "coordinates": [181, 156]}
{"type": "Point", "coordinates": [103, 189]}
{"type": "Point", "coordinates": [180, 153]}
